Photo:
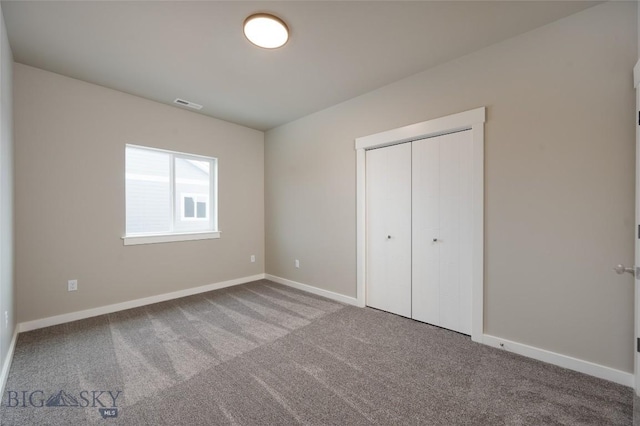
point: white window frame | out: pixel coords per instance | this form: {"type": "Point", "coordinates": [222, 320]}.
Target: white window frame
{"type": "Point", "coordinates": [212, 204]}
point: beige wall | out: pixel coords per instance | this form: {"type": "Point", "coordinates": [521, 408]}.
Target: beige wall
{"type": "Point", "coordinates": [559, 181]}
{"type": "Point", "coordinates": [69, 162]}
{"type": "Point", "coordinates": [7, 298]}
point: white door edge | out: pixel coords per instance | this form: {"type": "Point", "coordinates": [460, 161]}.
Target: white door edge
{"type": "Point", "coordinates": [636, 230]}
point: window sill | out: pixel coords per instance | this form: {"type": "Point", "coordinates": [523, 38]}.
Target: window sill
{"type": "Point", "coordinates": [168, 238]}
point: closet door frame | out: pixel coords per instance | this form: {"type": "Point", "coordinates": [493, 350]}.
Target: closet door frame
{"type": "Point", "coordinates": [469, 120]}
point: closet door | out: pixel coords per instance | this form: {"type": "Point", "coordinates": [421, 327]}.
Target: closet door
{"type": "Point", "coordinates": [442, 231]}
{"type": "Point", "coordinates": [388, 195]}
{"type": "Point", "coordinates": [426, 239]}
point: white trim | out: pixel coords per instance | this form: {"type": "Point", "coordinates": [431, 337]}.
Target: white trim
{"type": "Point", "coordinates": [6, 366]}
{"type": "Point", "coordinates": [636, 289]}
{"type": "Point", "coordinates": [213, 212]}
{"type": "Point", "coordinates": [473, 120]}
{"type": "Point", "coordinates": [172, 195]}
{"type": "Point", "coordinates": [168, 151]}
{"type": "Point", "coordinates": [168, 238]}
{"type": "Point", "coordinates": [477, 203]}
{"type": "Point", "coordinates": [435, 127]}
{"type": "Point", "coordinates": [575, 364]}
{"type": "Point", "coordinates": [361, 227]}
{"type": "Point", "coordinates": [314, 290]}
{"type": "Point", "coordinates": [108, 309]}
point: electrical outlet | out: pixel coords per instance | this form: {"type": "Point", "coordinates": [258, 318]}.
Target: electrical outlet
{"type": "Point", "coordinates": [72, 285]}
{"type": "Point", "coordinates": [297, 263]}
{"type": "Point", "coordinates": [253, 258]}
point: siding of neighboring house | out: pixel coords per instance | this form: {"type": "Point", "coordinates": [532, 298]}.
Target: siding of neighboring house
{"type": "Point", "coordinates": [148, 194]}
{"type": "Point", "coordinates": [148, 205]}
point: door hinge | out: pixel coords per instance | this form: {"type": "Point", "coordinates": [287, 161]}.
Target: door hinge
{"type": "Point", "coordinates": [638, 344]}
{"type": "Point", "coordinates": [638, 118]}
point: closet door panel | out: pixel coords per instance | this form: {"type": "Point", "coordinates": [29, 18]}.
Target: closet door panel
{"type": "Point", "coordinates": [449, 245]}
{"type": "Point", "coordinates": [455, 226]}
{"type": "Point", "coordinates": [441, 231]}
{"type": "Point", "coordinates": [388, 195]}
{"type": "Point", "coordinates": [426, 230]}
{"type": "Point", "coordinates": [466, 231]}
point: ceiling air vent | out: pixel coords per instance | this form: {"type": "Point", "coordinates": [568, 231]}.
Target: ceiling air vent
{"type": "Point", "coordinates": [187, 104]}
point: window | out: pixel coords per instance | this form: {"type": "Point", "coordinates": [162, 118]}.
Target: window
{"type": "Point", "coordinates": [170, 196]}
{"type": "Point", "coordinates": [195, 207]}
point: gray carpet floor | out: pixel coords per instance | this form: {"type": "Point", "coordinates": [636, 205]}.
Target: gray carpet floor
{"type": "Point", "coordinates": [265, 354]}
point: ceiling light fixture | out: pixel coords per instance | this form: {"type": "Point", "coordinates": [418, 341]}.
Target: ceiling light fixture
{"type": "Point", "coordinates": [266, 30]}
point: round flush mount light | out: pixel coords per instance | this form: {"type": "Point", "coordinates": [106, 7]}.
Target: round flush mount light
{"type": "Point", "coordinates": [266, 30]}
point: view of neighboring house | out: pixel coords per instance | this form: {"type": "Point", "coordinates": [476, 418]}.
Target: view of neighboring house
{"type": "Point", "coordinates": [148, 191]}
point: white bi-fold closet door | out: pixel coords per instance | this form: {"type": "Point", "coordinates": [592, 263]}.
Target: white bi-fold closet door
{"type": "Point", "coordinates": [419, 230]}
{"type": "Point", "coordinates": [388, 192]}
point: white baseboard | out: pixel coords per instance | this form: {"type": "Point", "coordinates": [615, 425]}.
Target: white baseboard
{"type": "Point", "coordinates": [314, 290]}
{"type": "Point", "coordinates": [108, 309]}
{"type": "Point", "coordinates": [575, 364]}
{"type": "Point", "coordinates": [4, 374]}
{"type": "Point", "coordinates": [582, 366]}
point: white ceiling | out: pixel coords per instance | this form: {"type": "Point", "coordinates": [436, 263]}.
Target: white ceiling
{"type": "Point", "coordinates": [163, 50]}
